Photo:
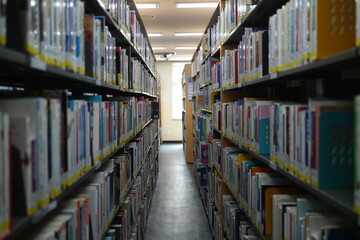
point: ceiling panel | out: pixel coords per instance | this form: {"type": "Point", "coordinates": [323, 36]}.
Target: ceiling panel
{"type": "Point", "coordinates": [168, 19]}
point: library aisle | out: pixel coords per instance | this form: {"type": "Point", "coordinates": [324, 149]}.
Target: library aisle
{"type": "Point", "coordinates": [176, 210]}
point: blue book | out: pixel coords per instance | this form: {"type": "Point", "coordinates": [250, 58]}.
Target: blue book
{"type": "Point", "coordinates": [335, 145]}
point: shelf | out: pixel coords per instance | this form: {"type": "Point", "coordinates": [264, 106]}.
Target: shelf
{"type": "Point", "coordinates": [256, 82]}
{"type": "Point", "coordinates": [196, 73]}
{"type": "Point", "coordinates": [98, 8]}
{"type": "Point", "coordinates": [216, 90]}
{"type": "Point", "coordinates": [235, 35]}
{"type": "Point", "coordinates": [24, 223]}
{"type": "Point", "coordinates": [51, 77]}
{"type": "Point", "coordinates": [206, 110]}
{"type": "Point", "coordinates": [205, 58]}
{"type": "Point", "coordinates": [259, 16]}
{"type": "Point", "coordinates": [341, 61]}
{"type": "Point", "coordinates": [219, 131]}
{"type": "Point", "coordinates": [230, 87]}
{"type": "Point", "coordinates": [205, 84]}
{"type": "Point", "coordinates": [216, 51]}
{"type": "Point", "coordinates": [257, 230]}
{"type": "Point", "coordinates": [339, 198]}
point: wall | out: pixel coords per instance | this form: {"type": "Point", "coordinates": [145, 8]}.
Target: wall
{"type": "Point", "coordinates": [171, 129]}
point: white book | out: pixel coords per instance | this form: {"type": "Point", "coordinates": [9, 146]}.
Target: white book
{"type": "Point", "coordinates": [94, 208]}
{"type": "Point", "coordinates": [55, 143]}
{"type": "Point", "coordinates": [29, 108]}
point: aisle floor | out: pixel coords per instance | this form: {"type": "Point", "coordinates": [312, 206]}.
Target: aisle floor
{"type": "Point", "coordinates": [176, 211]}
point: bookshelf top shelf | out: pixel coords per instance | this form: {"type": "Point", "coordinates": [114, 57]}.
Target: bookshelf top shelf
{"type": "Point", "coordinates": [124, 38]}
{"type": "Point", "coordinates": [32, 72]}
{"type": "Point", "coordinates": [342, 61]}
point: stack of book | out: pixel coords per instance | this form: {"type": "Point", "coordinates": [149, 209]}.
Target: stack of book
{"type": "Point", "coordinates": [86, 213]}
{"type": "Point", "coordinates": [298, 36]}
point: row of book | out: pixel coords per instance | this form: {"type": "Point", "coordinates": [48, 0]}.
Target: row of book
{"type": "Point", "coordinates": [203, 99]}
{"type": "Point", "coordinates": [88, 212]}
{"type": "Point", "coordinates": [298, 36]}
{"type": "Point", "coordinates": [141, 79]}
{"type": "Point", "coordinates": [85, 214]}
{"type": "Point", "coordinates": [130, 221]}
{"type": "Point", "coordinates": [230, 15]}
{"type": "Point", "coordinates": [129, 24]}
{"type": "Point", "coordinates": [128, 162]}
{"type": "Point", "coordinates": [249, 61]}
{"type": "Point", "coordinates": [295, 38]}
{"type": "Point", "coordinates": [79, 43]}
{"type": "Point", "coordinates": [202, 126]}
{"type": "Point", "coordinates": [195, 64]}
{"type": "Point", "coordinates": [208, 71]}
{"type": "Point", "coordinates": [268, 197]}
{"type": "Point", "coordinates": [44, 160]}
{"type": "Point", "coordinates": [300, 138]}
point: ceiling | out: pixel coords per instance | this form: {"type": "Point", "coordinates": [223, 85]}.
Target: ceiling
{"type": "Point", "coordinates": [167, 19]}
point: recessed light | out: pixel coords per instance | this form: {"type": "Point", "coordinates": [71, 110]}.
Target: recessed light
{"type": "Point", "coordinates": [186, 48]}
{"type": "Point", "coordinates": [147, 5]}
{"type": "Point", "coordinates": [197, 5]}
{"type": "Point", "coordinates": [155, 34]}
{"type": "Point", "coordinates": [159, 48]}
{"type": "Point", "coordinates": [187, 34]}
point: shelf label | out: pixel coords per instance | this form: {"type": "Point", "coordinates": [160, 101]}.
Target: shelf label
{"type": "Point", "coordinates": [37, 64]}
{"type": "Point", "coordinates": [190, 89]}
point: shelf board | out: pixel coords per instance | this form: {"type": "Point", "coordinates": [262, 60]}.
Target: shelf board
{"type": "Point", "coordinates": [15, 57]}
{"type": "Point", "coordinates": [339, 198]}
{"type": "Point", "coordinates": [259, 16]}
{"type": "Point", "coordinates": [256, 82]}
{"type": "Point", "coordinates": [333, 63]}
{"type": "Point", "coordinates": [235, 35]}
{"type": "Point", "coordinates": [206, 110]}
{"type": "Point", "coordinates": [230, 87]}
{"type": "Point", "coordinates": [216, 90]}
{"type": "Point", "coordinates": [50, 77]}
{"type": "Point", "coordinates": [216, 51]}
{"type": "Point", "coordinates": [205, 84]}
{"type": "Point", "coordinates": [341, 61]}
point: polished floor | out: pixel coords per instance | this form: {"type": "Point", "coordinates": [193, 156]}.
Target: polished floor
{"type": "Point", "coordinates": [176, 211]}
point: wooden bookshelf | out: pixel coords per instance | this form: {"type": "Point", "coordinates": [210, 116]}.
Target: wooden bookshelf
{"type": "Point", "coordinates": [188, 121]}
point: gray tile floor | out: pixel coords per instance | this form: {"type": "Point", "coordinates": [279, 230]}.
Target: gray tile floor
{"type": "Point", "coordinates": [176, 211]}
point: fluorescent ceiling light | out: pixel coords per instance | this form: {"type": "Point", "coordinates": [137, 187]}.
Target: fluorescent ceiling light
{"type": "Point", "coordinates": [197, 5]}
{"type": "Point", "coordinates": [155, 34]}
{"type": "Point", "coordinates": [186, 48]}
{"type": "Point", "coordinates": [147, 5]}
{"type": "Point", "coordinates": [159, 48]}
{"type": "Point", "coordinates": [187, 34]}
{"type": "Point", "coordinates": [181, 59]}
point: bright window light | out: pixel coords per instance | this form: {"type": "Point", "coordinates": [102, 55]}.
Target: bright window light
{"type": "Point", "coordinates": [187, 34]}
{"type": "Point", "coordinates": [159, 48]}
{"type": "Point", "coordinates": [185, 48]}
{"type": "Point", "coordinates": [155, 34]}
{"type": "Point", "coordinates": [197, 5]}
{"type": "Point", "coordinates": [147, 5]}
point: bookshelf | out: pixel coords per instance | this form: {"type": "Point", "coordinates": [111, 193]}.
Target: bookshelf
{"type": "Point", "coordinates": [121, 88]}
{"type": "Point", "coordinates": [234, 143]}
{"type": "Point", "coordinates": [187, 119]}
